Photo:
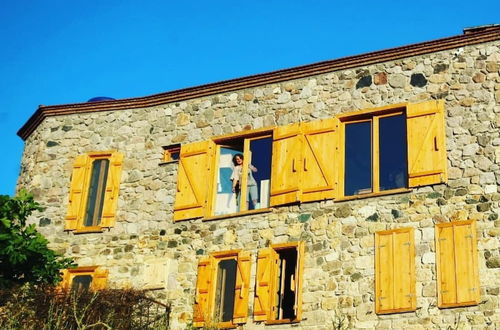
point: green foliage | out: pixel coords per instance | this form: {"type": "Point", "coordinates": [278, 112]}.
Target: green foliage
{"type": "Point", "coordinates": [24, 254]}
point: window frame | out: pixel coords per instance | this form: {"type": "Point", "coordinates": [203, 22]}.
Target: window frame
{"type": "Point", "coordinates": [222, 141]}
{"type": "Point", "coordinates": [373, 116]}
{"type": "Point", "coordinates": [168, 151]}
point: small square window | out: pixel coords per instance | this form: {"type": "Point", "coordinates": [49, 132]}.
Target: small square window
{"type": "Point", "coordinates": [171, 153]}
{"type": "Point", "coordinates": [84, 278]}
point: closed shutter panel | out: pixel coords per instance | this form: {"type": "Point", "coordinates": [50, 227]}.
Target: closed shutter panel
{"type": "Point", "coordinates": [266, 274]}
{"type": "Point", "coordinates": [299, 278]}
{"type": "Point", "coordinates": [100, 279]}
{"type": "Point", "coordinates": [242, 288]}
{"type": "Point", "coordinates": [112, 190]}
{"type": "Point", "coordinates": [395, 271]}
{"type": "Point", "coordinates": [77, 192]}
{"type": "Point", "coordinates": [457, 265]}
{"type": "Point", "coordinates": [202, 306]}
{"type": "Point", "coordinates": [426, 143]}
{"type": "Point", "coordinates": [286, 165]}
{"type": "Point", "coordinates": [318, 164]}
{"type": "Point", "coordinates": [193, 180]}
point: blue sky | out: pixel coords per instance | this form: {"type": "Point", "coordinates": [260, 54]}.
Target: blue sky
{"type": "Point", "coordinates": [56, 52]}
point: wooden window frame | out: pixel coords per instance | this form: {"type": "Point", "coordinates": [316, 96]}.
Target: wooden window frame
{"type": "Point", "coordinates": [372, 115]}
{"type": "Point", "coordinates": [93, 271]}
{"type": "Point", "coordinates": [222, 141]}
{"type": "Point", "coordinates": [168, 151]}
{"type": "Point", "coordinates": [473, 271]}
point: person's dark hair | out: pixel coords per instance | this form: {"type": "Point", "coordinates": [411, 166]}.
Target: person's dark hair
{"type": "Point", "coordinates": [234, 158]}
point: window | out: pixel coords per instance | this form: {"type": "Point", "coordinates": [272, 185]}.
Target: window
{"type": "Point", "coordinates": [391, 149]}
{"type": "Point", "coordinates": [171, 153]}
{"type": "Point", "coordinates": [395, 271]}
{"type": "Point", "coordinates": [457, 267]}
{"type": "Point", "coordinates": [95, 183]}
{"type": "Point", "coordinates": [84, 278]}
{"type": "Point", "coordinates": [222, 289]}
{"type": "Point", "coordinates": [278, 291]}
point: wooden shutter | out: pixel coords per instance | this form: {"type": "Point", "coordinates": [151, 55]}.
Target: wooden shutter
{"type": "Point", "coordinates": [203, 299]}
{"type": "Point", "coordinates": [193, 180]}
{"type": "Point", "coordinates": [427, 162]}
{"type": "Point", "coordinates": [99, 279]}
{"type": "Point", "coordinates": [65, 279]}
{"type": "Point", "coordinates": [266, 274]}
{"type": "Point", "coordinates": [242, 287]}
{"type": "Point", "coordinates": [77, 192]}
{"type": "Point", "coordinates": [299, 277]}
{"type": "Point", "coordinates": [286, 165]}
{"type": "Point", "coordinates": [318, 164]}
{"type": "Point", "coordinates": [112, 190]}
{"type": "Point", "coordinates": [395, 271]}
{"type": "Point", "coordinates": [457, 265]}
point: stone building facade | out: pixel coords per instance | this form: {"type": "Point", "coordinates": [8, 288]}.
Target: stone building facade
{"type": "Point", "coordinates": [144, 247]}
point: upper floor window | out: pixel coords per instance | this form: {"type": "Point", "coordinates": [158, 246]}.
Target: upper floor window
{"type": "Point", "coordinates": [95, 183]}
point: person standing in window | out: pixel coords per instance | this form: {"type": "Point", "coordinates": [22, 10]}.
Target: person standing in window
{"type": "Point", "coordinates": [251, 183]}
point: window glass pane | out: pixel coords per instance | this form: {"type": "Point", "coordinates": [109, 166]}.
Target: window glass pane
{"type": "Point", "coordinates": [81, 282]}
{"type": "Point", "coordinates": [97, 189]}
{"type": "Point", "coordinates": [259, 173]}
{"type": "Point", "coordinates": [226, 200]}
{"type": "Point", "coordinates": [285, 294]}
{"type": "Point", "coordinates": [224, 295]}
{"type": "Point", "coordinates": [392, 150]}
{"type": "Point", "coordinates": [358, 158]}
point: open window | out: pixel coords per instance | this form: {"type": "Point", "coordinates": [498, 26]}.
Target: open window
{"type": "Point", "coordinates": [242, 174]}
{"type": "Point", "coordinates": [171, 153]}
{"type": "Point", "coordinates": [222, 289]}
{"type": "Point", "coordinates": [95, 184]}
{"type": "Point", "coordinates": [278, 292]}
{"type": "Point", "coordinates": [84, 278]}
{"type": "Point", "coordinates": [391, 149]}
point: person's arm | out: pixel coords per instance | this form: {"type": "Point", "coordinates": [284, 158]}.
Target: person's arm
{"type": "Point", "coordinates": [234, 178]}
{"type": "Point", "coordinates": [253, 168]}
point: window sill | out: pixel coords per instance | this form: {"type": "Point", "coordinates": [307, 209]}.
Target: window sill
{"type": "Point", "coordinates": [88, 230]}
{"type": "Point", "coordinates": [380, 193]}
{"type": "Point", "coordinates": [167, 162]}
{"type": "Point", "coordinates": [284, 321]}
{"type": "Point", "coordinates": [239, 214]}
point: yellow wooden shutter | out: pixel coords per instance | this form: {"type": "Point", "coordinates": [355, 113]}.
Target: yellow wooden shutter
{"type": "Point", "coordinates": [77, 191]}
{"type": "Point", "coordinates": [99, 279]}
{"type": "Point", "coordinates": [242, 287]}
{"type": "Point", "coordinates": [193, 180]}
{"type": "Point", "coordinates": [65, 279]}
{"type": "Point", "coordinates": [395, 271]}
{"type": "Point", "coordinates": [457, 267]}
{"type": "Point", "coordinates": [203, 300]}
{"type": "Point", "coordinates": [286, 165]}
{"type": "Point", "coordinates": [266, 274]}
{"type": "Point", "coordinates": [299, 277]}
{"type": "Point", "coordinates": [318, 164]}
{"type": "Point", "coordinates": [112, 190]}
{"type": "Point", "coordinates": [427, 162]}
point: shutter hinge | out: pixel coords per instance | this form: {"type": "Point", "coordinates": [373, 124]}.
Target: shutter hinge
{"type": "Point", "coordinates": [381, 246]}
{"type": "Point", "coordinates": [380, 298]}
{"type": "Point", "coordinates": [468, 236]}
{"type": "Point", "coordinates": [473, 289]}
{"type": "Point", "coordinates": [445, 291]}
{"type": "Point", "coordinates": [410, 295]}
{"type": "Point", "coordinates": [407, 243]}
{"type": "Point", "coordinates": [442, 239]}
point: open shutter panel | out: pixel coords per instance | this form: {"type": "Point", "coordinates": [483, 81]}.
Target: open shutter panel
{"type": "Point", "coordinates": [65, 279]}
{"type": "Point", "coordinates": [242, 288]}
{"type": "Point", "coordinates": [299, 278]}
{"type": "Point", "coordinates": [426, 143]}
{"type": "Point", "coordinates": [318, 163]}
{"type": "Point", "coordinates": [383, 272]}
{"type": "Point", "coordinates": [465, 245]}
{"type": "Point", "coordinates": [112, 190]}
{"type": "Point", "coordinates": [202, 306]}
{"type": "Point", "coordinates": [100, 279]}
{"type": "Point", "coordinates": [286, 165]}
{"type": "Point", "coordinates": [193, 180]}
{"type": "Point", "coordinates": [404, 270]}
{"type": "Point", "coordinates": [77, 192]}
{"type": "Point", "coordinates": [445, 266]}
{"type": "Point", "coordinates": [265, 275]}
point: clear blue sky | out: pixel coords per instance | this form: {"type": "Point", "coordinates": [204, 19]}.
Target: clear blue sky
{"type": "Point", "coordinates": [55, 52]}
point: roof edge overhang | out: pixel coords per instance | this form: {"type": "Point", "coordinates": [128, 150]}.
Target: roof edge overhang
{"type": "Point", "coordinates": [470, 37]}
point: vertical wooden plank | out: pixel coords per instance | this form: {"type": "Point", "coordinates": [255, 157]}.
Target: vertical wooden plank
{"type": "Point", "coordinates": [446, 265]}
{"type": "Point", "coordinates": [375, 154]}
{"type": "Point", "coordinates": [403, 280]}
{"type": "Point", "coordinates": [242, 288]}
{"type": "Point", "coordinates": [77, 192]}
{"type": "Point", "coordinates": [202, 306]}
{"type": "Point", "coordinates": [465, 250]}
{"type": "Point", "coordinates": [112, 190]}
{"type": "Point", "coordinates": [263, 287]}
{"type": "Point", "coordinates": [299, 279]}
{"type": "Point", "coordinates": [384, 272]}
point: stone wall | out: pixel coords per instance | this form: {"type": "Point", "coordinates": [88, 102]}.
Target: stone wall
{"type": "Point", "coordinates": [339, 236]}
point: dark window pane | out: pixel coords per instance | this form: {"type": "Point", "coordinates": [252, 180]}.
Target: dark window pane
{"type": "Point", "coordinates": [226, 283]}
{"type": "Point", "coordinates": [259, 177]}
{"type": "Point", "coordinates": [174, 155]}
{"type": "Point", "coordinates": [358, 158]}
{"type": "Point", "coordinates": [392, 146]}
{"type": "Point", "coordinates": [285, 295]}
{"type": "Point", "coordinates": [81, 282]}
{"type": "Point", "coordinates": [97, 189]}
